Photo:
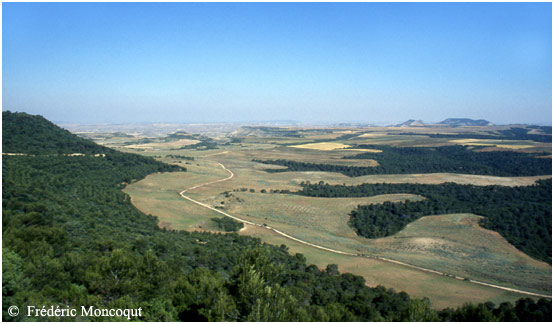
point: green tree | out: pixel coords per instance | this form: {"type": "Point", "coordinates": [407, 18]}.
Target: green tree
{"type": "Point", "coordinates": [201, 296]}
{"type": "Point", "coordinates": [419, 310]}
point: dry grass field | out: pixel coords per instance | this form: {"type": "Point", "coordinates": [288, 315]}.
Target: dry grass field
{"type": "Point", "coordinates": [456, 244]}
{"type": "Point", "coordinates": [435, 242]}
{"type": "Point", "coordinates": [322, 146]}
{"type": "Point", "coordinates": [163, 145]}
{"type": "Point", "coordinates": [321, 220]}
{"type": "Point", "coordinates": [453, 244]}
{"type": "Point", "coordinates": [442, 291]}
{"type": "Point", "coordinates": [331, 146]}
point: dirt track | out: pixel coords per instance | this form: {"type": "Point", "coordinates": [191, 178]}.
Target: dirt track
{"type": "Point", "coordinates": [182, 193]}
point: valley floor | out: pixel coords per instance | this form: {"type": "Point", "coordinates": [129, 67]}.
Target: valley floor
{"type": "Point", "coordinates": [453, 245]}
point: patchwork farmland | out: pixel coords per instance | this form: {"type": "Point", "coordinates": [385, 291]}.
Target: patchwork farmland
{"type": "Point", "coordinates": [455, 245]}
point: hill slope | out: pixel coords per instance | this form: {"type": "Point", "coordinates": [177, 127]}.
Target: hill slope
{"type": "Point", "coordinates": [465, 122]}
{"type": "Point", "coordinates": [29, 134]}
{"type": "Point", "coordinates": [71, 238]}
{"type": "Point", "coordinates": [411, 123]}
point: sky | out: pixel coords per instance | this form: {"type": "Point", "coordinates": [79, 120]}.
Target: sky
{"type": "Point", "coordinates": [309, 62]}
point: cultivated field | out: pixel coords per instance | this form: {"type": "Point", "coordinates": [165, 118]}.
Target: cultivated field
{"type": "Point", "coordinates": [451, 244]}
{"type": "Point", "coordinates": [330, 146]}
{"type": "Point", "coordinates": [161, 146]}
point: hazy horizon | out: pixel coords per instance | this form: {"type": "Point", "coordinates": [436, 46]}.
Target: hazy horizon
{"type": "Point", "coordinates": [312, 63]}
{"type": "Point", "coordinates": [277, 123]}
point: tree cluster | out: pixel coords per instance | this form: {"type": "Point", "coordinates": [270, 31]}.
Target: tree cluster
{"type": "Point", "coordinates": [182, 157]}
{"type": "Point", "coordinates": [227, 224]}
{"type": "Point", "coordinates": [523, 215]}
{"type": "Point", "coordinates": [72, 238]}
{"type": "Point", "coordinates": [453, 159]}
{"type": "Point", "coordinates": [513, 134]}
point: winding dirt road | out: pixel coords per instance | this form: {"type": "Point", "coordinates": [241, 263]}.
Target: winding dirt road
{"type": "Point", "coordinates": [231, 175]}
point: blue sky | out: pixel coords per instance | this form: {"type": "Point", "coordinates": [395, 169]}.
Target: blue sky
{"type": "Point", "coordinates": [319, 63]}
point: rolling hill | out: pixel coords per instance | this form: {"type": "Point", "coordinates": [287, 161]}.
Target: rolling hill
{"type": "Point", "coordinates": [456, 122]}
{"type": "Point", "coordinates": [72, 238]}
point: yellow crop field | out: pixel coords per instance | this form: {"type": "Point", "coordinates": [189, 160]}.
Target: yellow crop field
{"type": "Point", "coordinates": [364, 150]}
{"type": "Point", "coordinates": [498, 143]}
{"type": "Point", "coordinates": [330, 146]}
{"type": "Point", "coordinates": [372, 135]}
{"type": "Point", "coordinates": [322, 146]}
{"type": "Point", "coordinates": [164, 145]}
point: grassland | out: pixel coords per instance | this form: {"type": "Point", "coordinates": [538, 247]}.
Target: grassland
{"type": "Point", "coordinates": [163, 145]}
{"type": "Point", "coordinates": [453, 244]}
{"type": "Point", "coordinates": [158, 194]}
{"type": "Point", "coordinates": [322, 221]}
{"type": "Point", "coordinates": [330, 146]}
{"type": "Point", "coordinates": [441, 290]}
{"type": "Point", "coordinates": [420, 136]}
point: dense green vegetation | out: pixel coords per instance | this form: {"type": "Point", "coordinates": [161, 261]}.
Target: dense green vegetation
{"type": "Point", "coordinates": [351, 171]}
{"type": "Point", "coordinates": [71, 237]}
{"type": "Point", "coordinates": [182, 157]}
{"type": "Point", "coordinates": [228, 224]}
{"type": "Point", "coordinates": [42, 137]}
{"type": "Point", "coordinates": [523, 215]}
{"type": "Point", "coordinates": [525, 310]}
{"type": "Point", "coordinates": [455, 159]}
{"type": "Point", "coordinates": [514, 134]}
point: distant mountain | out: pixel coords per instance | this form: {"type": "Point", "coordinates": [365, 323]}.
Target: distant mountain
{"type": "Point", "coordinates": [465, 122]}
{"type": "Point", "coordinates": [411, 123]}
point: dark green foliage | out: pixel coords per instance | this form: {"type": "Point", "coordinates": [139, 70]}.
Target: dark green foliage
{"type": "Point", "coordinates": [526, 310]}
{"type": "Point", "coordinates": [31, 134]}
{"type": "Point", "coordinates": [182, 157]}
{"type": "Point", "coordinates": [514, 134]}
{"type": "Point", "coordinates": [523, 215]}
{"type": "Point", "coordinates": [72, 238]}
{"type": "Point", "coordinates": [34, 135]}
{"type": "Point", "coordinates": [455, 159]}
{"type": "Point", "coordinates": [228, 224]}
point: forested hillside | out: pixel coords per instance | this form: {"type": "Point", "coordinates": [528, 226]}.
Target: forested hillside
{"type": "Point", "coordinates": [71, 238]}
{"type": "Point", "coordinates": [453, 159]}
{"type": "Point", "coordinates": [523, 215]}
{"type": "Point", "coordinates": [31, 134]}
